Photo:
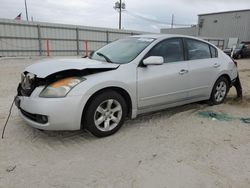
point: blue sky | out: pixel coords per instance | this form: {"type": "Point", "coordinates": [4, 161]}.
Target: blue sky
{"type": "Point", "coordinates": [146, 15]}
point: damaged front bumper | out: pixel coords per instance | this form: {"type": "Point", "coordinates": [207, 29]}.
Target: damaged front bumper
{"type": "Point", "coordinates": [51, 113]}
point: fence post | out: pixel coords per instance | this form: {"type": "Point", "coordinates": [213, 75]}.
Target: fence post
{"type": "Point", "coordinates": [39, 39]}
{"type": "Point", "coordinates": [77, 41]}
{"type": "Point", "coordinates": [86, 47]}
{"type": "Point", "coordinates": [47, 47]}
{"type": "Point", "coordinates": [107, 37]}
{"type": "Point", "coordinates": [223, 44]}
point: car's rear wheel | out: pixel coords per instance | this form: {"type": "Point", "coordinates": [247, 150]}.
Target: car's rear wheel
{"type": "Point", "coordinates": [219, 91]}
{"type": "Point", "coordinates": [105, 114]}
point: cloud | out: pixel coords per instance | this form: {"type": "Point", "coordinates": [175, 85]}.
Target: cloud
{"type": "Point", "coordinates": [101, 13]}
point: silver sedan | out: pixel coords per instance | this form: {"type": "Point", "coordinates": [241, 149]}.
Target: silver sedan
{"type": "Point", "coordinates": [125, 78]}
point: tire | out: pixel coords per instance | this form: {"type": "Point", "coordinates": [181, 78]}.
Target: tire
{"type": "Point", "coordinates": [105, 114]}
{"type": "Point", "coordinates": [219, 92]}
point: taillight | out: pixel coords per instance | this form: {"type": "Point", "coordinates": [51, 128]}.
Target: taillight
{"type": "Point", "coordinates": [236, 64]}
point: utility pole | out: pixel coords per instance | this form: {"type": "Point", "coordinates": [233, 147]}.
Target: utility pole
{"type": "Point", "coordinates": [120, 15]}
{"type": "Point", "coordinates": [119, 6]}
{"type": "Point", "coordinates": [172, 23]}
{"type": "Point", "coordinates": [26, 9]}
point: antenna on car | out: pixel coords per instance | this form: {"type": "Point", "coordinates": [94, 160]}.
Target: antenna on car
{"type": "Point", "coordinates": [7, 120]}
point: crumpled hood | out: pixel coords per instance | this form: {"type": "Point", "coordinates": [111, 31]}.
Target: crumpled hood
{"type": "Point", "coordinates": [47, 67]}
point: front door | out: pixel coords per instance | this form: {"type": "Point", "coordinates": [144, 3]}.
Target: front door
{"type": "Point", "coordinates": [166, 83]}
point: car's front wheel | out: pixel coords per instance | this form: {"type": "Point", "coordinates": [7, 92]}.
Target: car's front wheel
{"type": "Point", "coordinates": [219, 91]}
{"type": "Point", "coordinates": [105, 114]}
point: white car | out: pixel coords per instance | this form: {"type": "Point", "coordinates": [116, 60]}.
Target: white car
{"type": "Point", "coordinates": [125, 78]}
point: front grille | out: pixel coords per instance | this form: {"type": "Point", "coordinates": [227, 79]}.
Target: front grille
{"type": "Point", "coordinates": [35, 117]}
{"type": "Point", "coordinates": [27, 84]}
{"type": "Point", "coordinates": [24, 92]}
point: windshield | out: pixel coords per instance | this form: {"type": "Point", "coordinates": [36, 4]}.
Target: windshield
{"type": "Point", "coordinates": [122, 51]}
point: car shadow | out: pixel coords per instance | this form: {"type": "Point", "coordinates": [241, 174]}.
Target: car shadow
{"type": "Point", "coordinates": [141, 120]}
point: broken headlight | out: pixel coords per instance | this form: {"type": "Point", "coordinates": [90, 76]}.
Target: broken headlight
{"type": "Point", "coordinates": [61, 88]}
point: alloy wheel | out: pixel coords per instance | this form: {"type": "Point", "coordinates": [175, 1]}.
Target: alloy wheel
{"type": "Point", "coordinates": [108, 115]}
{"type": "Point", "coordinates": [221, 91]}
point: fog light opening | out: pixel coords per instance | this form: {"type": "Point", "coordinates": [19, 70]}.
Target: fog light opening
{"type": "Point", "coordinates": [42, 119]}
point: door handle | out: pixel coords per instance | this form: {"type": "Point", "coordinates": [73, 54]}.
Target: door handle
{"type": "Point", "coordinates": [183, 71]}
{"type": "Point", "coordinates": [216, 65]}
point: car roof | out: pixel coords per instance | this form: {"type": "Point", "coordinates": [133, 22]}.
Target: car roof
{"type": "Point", "coordinates": [158, 36]}
{"type": "Point", "coordinates": [166, 36]}
{"type": "Point", "coordinates": [154, 36]}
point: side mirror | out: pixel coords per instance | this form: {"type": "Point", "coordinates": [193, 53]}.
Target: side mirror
{"type": "Point", "coordinates": [153, 60]}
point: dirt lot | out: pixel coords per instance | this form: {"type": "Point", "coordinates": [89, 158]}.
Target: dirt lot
{"type": "Point", "coordinates": [172, 148]}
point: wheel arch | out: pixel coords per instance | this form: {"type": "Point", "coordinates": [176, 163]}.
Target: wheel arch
{"type": "Point", "coordinates": [119, 90]}
{"type": "Point", "coordinates": [227, 77]}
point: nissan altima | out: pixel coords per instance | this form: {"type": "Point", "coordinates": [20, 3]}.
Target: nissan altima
{"type": "Point", "coordinates": [123, 79]}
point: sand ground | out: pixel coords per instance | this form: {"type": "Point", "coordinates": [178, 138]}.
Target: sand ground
{"type": "Point", "coordinates": [174, 148]}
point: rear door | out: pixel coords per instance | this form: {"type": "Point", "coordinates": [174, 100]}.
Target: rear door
{"type": "Point", "coordinates": [203, 67]}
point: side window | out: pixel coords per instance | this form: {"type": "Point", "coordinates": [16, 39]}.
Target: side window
{"type": "Point", "coordinates": [197, 50]}
{"type": "Point", "coordinates": [214, 52]}
{"type": "Point", "coordinates": [171, 50]}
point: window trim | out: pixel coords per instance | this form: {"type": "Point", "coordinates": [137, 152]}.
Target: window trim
{"type": "Point", "coordinates": [216, 51]}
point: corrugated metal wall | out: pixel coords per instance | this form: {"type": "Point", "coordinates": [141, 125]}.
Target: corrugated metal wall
{"type": "Point", "coordinates": [222, 26]}
{"type": "Point", "coordinates": [21, 38]}
{"type": "Point", "coordinates": [226, 25]}
{"type": "Point", "coordinates": [190, 31]}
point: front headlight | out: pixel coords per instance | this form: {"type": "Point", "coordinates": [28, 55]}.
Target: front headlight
{"type": "Point", "coordinates": [61, 88]}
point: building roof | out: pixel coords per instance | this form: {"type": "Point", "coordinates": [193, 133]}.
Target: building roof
{"type": "Point", "coordinates": [232, 11]}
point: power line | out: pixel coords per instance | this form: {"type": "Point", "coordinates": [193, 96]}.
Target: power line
{"type": "Point", "coordinates": [136, 15]}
